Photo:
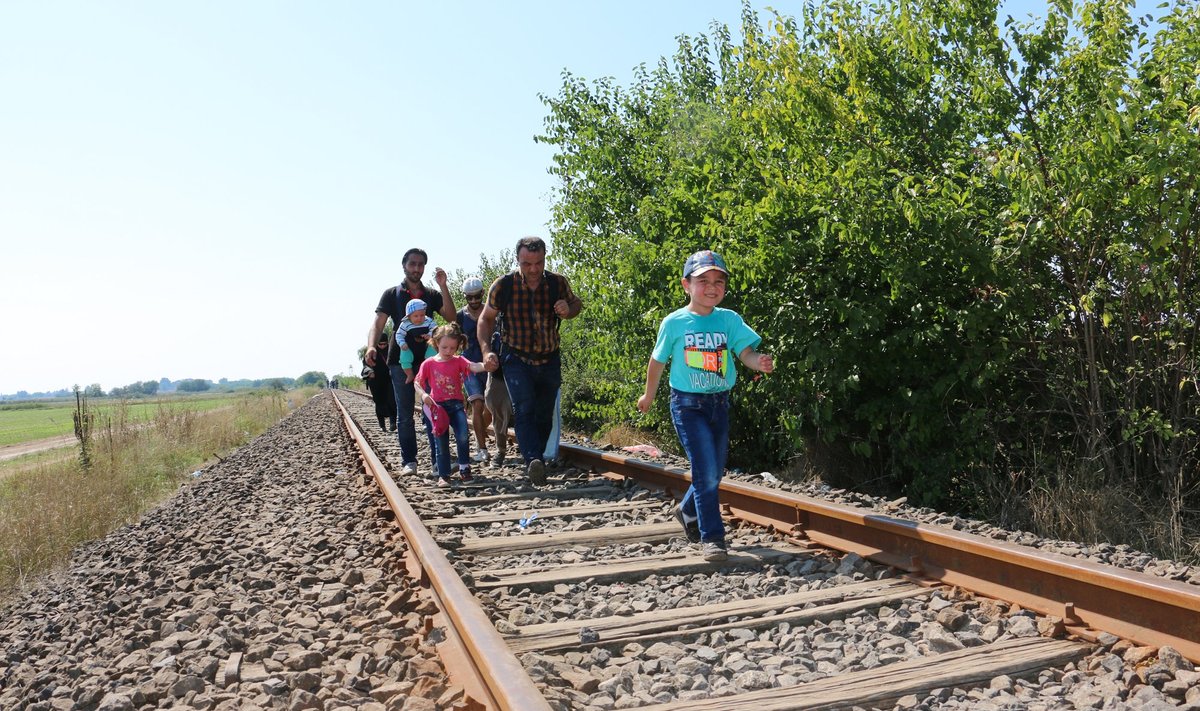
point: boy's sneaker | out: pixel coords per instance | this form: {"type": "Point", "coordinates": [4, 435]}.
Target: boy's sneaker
{"type": "Point", "coordinates": [443, 483]}
{"type": "Point", "coordinates": [714, 551]}
{"type": "Point", "coordinates": [409, 469]}
{"type": "Point", "coordinates": [690, 528]}
{"type": "Point", "coordinates": [536, 472]}
{"type": "Point", "coordinates": [481, 455]}
{"type": "Point", "coordinates": [465, 474]}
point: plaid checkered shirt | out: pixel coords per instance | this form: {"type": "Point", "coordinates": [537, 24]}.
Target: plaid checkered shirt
{"type": "Point", "coordinates": [530, 324]}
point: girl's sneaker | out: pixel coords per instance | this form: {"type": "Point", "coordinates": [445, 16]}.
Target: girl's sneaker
{"type": "Point", "coordinates": [443, 482]}
{"type": "Point", "coordinates": [481, 455]}
{"type": "Point", "coordinates": [465, 474]}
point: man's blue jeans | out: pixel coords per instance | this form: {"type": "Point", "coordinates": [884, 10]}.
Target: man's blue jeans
{"type": "Point", "coordinates": [702, 422]}
{"type": "Point", "coordinates": [533, 390]}
{"type": "Point", "coordinates": [406, 431]}
{"type": "Point", "coordinates": [462, 438]}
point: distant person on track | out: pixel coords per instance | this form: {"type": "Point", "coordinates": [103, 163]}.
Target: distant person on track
{"type": "Point", "coordinates": [412, 335]}
{"type": "Point", "coordinates": [531, 302]}
{"type": "Point", "coordinates": [392, 305]}
{"type": "Point", "coordinates": [699, 341]}
{"type": "Point", "coordinates": [379, 382]}
{"type": "Point", "coordinates": [440, 381]}
{"type": "Point", "coordinates": [468, 322]}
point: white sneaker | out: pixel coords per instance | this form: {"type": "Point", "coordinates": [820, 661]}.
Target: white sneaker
{"type": "Point", "coordinates": [481, 455]}
{"type": "Point", "coordinates": [408, 469]}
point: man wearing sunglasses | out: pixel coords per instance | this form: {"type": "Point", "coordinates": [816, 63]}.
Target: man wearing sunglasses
{"type": "Point", "coordinates": [468, 319]}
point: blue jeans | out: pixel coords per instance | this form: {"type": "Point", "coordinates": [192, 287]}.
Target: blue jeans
{"type": "Point", "coordinates": [458, 423]}
{"type": "Point", "coordinates": [702, 422]}
{"type": "Point", "coordinates": [533, 389]}
{"type": "Point", "coordinates": [406, 431]}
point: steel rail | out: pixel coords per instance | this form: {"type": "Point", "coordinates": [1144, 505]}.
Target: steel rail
{"type": "Point", "coordinates": [494, 667]}
{"type": "Point", "coordinates": [1087, 596]}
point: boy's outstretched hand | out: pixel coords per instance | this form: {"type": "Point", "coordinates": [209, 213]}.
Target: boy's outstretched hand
{"type": "Point", "coordinates": [754, 360]}
{"type": "Point", "coordinates": [644, 401]}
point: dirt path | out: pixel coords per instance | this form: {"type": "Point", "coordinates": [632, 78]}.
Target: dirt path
{"type": "Point", "coordinates": [13, 451]}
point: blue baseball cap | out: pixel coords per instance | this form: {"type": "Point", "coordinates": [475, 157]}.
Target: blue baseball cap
{"type": "Point", "coordinates": [703, 261]}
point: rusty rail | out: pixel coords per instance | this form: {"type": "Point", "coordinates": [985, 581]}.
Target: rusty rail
{"type": "Point", "coordinates": [1087, 596]}
{"type": "Point", "coordinates": [493, 672]}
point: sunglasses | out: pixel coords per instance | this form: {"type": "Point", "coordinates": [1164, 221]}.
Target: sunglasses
{"type": "Point", "coordinates": [474, 297]}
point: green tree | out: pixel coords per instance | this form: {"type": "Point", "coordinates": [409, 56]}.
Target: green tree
{"type": "Point", "coordinates": [490, 268]}
{"type": "Point", "coordinates": [193, 385]}
{"type": "Point", "coordinates": [971, 244]}
{"type": "Point", "coordinates": [312, 377]}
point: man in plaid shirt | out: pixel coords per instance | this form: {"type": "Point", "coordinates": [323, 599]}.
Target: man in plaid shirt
{"type": "Point", "coordinates": [531, 302]}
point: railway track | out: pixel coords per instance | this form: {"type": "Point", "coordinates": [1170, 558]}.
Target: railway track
{"type": "Point", "coordinates": [584, 594]}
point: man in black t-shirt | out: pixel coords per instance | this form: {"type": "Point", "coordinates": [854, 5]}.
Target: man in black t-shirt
{"type": "Point", "coordinates": [391, 305]}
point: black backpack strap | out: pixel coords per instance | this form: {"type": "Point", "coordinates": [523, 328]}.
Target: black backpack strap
{"type": "Point", "coordinates": [555, 288]}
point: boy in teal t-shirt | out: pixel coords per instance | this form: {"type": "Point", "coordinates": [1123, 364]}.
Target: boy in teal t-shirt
{"type": "Point", "coordinates": [700, 341]}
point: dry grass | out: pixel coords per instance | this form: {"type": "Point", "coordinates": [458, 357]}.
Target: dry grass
{"type": "Point", "coordinates": [624, 436]}
{"type": "Point", "coordinates": [48, 509]}
{"type": "Point", "coordinates": [1083, 509]}
{"type": "Point", "coordinates": [1109, 514]}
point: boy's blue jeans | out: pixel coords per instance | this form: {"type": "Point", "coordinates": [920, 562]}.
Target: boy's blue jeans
{"type": "Point", "coordinates": [702, 422]}
{"type": "Point", "coordinates": [532, 389]}
{"type": "Point", "coordinates": [458, 423]}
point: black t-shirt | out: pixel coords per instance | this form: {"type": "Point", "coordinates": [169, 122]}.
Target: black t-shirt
{"type": "Point", "coordinates": [393, 302]}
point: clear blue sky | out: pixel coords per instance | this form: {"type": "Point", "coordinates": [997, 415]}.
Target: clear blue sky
{"type": "Point", "coordinates": [223, 189]}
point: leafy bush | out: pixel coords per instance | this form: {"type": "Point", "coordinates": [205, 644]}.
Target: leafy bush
{"type": "Point", "coordinates": [970, 245]}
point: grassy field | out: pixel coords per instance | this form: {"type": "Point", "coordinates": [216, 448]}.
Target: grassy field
{"type": "Point", "coordinates": [49, 504]}
{"type": "Point", "coordinates": [24, 422]}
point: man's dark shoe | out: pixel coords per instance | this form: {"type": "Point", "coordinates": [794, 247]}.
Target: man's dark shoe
{"type": "Point", "coordinates": [690, 528]}
{"type": "Point", "coordinates": [536, 471]}
{"type": "Point", "coordinates": [714, 551]}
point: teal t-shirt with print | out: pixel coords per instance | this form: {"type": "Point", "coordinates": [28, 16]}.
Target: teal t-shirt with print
{"type": "Point", "coordinates": [701, 350]}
